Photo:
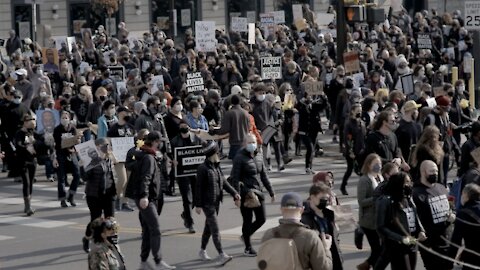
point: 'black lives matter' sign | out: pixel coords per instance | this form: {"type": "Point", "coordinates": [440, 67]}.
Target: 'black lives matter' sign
{"type": "Point", "coordinates": [271, 68]}
{"type": "Point", "coordinates": [194, 82]}
{"type": "Point", "coordinates": [424, 41]}
{"type": "Point", "coordinates": [188, 159]}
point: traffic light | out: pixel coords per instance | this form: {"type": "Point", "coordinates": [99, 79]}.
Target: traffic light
{"type": "Point", "coordinates": [355, 13]}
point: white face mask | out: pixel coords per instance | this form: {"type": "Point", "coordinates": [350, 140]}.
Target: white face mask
{"type": "Point", "coordinates": [461, 88]}
{"type": "Point", "coordinates": [17, 100]}
{"type": "Point", "coordinates": [178, 107]}
{"type": "Point", "coordinates": [375, 107]}
{"type": "Point", "coordinates": [64, 122]}
{"type": "Point", "coordinates": [43, 94]}
{"type": "Point", "coordinates": [261, 97]}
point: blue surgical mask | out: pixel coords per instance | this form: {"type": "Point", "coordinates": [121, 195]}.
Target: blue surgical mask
{"type": "Point", "coordinates": [251, 147]}
{"type": "Point", "coordinates": [377, 168]}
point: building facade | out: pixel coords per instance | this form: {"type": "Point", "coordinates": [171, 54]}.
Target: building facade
{"type": "Point", "coordinates": [67, 17]}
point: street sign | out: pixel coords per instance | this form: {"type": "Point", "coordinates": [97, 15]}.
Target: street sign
{"type": "Point", "coordinates": [472, 15]}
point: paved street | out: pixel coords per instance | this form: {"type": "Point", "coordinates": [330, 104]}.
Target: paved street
{"type": "Point", "coordinates": [51, 239]}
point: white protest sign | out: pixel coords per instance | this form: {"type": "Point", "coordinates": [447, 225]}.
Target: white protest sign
{"type": "Point", "coordinates": [59, 40]}
{"type": "Point", "coordinates": [271, 68]}
{"type": "Point", "coordinates": [70, 41]}
{"type": "Point", "coordinates": [194, 82]}
{"type": "Point", "coordinates": [472, 15]}
{"type": "Point", "coordinates": [86, 151]}
{"type": "Point", "coordinates": [120, 85]}
{"type": "Point", "coordinates": [251, 16]}
{"type": "Point", "coordinates": [157, 83]}
{"type": "Point", "coordinates": [120, 147]}
{"type": "Point", "coordinates": [239, 24]}
{"type": "Point", "coordinates": [297, 12]}
{"type": "Point", "coordinates": [279, 16]}
{"type": "Point", "coordinates": [324, 18]}
{"type": "Point", "coordinates": [358, 79]}
{"type": "Point", "coordinates": [251, 33]}
{"type": "Point", "coordinates": [186, 17]}
{"type": "Point", "coordinates": [205, 36]}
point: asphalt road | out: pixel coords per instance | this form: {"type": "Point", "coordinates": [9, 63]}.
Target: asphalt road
{"type": "Point", "coordinates": [51, 239]}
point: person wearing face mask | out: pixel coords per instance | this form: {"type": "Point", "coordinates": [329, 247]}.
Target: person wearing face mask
{"type": "Point", "coordinates": [402, 69]}
{"type": "Point", "coordinates": [354, 134]}
{"type": "Point", "coordinates": [321, 219]}
{"type": "Point", "coordinates": [174, 117]}
{"type": "Point", "coordinates": [105, 252]}
{"type": "Point", "coordinates": [194, 118]}
{"type": "Point", "coordinates": [471, 144]}
{"type": "Point", "coordinates": [383, 141]}
{"type": "Point", "coordinates": [398, 237]}
{"type": "Point", "coordinates": [25, 143]}
{"type": "Point", "coordinates": [25, 86]}
{"type": "Point", "coordinates": [371, 177]}
{"type": "Point", "coordinates": [149, 185]}
{"type": "Point", "coordinates": [38, 79]}
{"type": "Point", "coordinates": [332, 92]}
{"type": "Point", "coordinates": [408, 131]}
{"type": "Point", "coordinates": [248, 171]}
{"type": "Point", "coordinates": [95, 109]}
{"type": "Point", "coordinates": [100, 188]}
{"type": "Point", "coordinates": [107, 120]}
{"type": "Point", "coordinates": [293, 76]}
{"type": "Point", "coordinates": [210, 185]}
{"type": "Point", "coordinates": [186, 184]}
{"type": "Point", "coordinates": [456, 113]}
{"type": "Point", "coordinates": [79, 105]}
{"type": "Point", "coordinates": [64, 158]}
{"type": "Point", "coordinates": [467, 226]}
{"type": "Point", "coordinates": [431, 199]}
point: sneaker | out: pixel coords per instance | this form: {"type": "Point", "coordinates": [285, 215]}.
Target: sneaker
{"type": "Point", "coordinates": [191, 229]}
{"type": "Point", "coordinates": [287, 160]}
{"type": "Point", "coordinates": [250, 252]}
{"type": "Point", "coordinates": [281, 168]}
{"type": "Point", "coordinates": [309, 171]}
{"type": "Point", "coordinates": [145, 266]}
{"type": "Point", "coordinates": [51, 179]}
{"type": "Point", "coordinates": [222, 259]}
{"type": "Point", "coordinates": [127, 208]}
{"type": "Point", "coordinates": [162, 265]}
{"type": "Point", "coordinates": [86, 244]}
{"type": "Point", "coordinates": [63, 203]}
{"type": "Point", "coordinates": [71, 200]}
{"type": "Point", "coordinates": [204, 256]}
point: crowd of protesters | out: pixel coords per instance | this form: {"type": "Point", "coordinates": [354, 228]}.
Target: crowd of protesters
{"type": "Point", "coordinates": [402, 139]}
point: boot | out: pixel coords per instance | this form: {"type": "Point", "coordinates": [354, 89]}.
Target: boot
{"type": "Point", "coordinates": [28, 209]}
{"type": "Point", "coordinates": [71, 200]}
{"type": "Point", "coordinates": [363, 266]}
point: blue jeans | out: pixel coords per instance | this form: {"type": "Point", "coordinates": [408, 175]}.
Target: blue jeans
{"type": "Point", "coordinates": [63, 162]}
{"type": "Point", "coordinates": [49, 170]}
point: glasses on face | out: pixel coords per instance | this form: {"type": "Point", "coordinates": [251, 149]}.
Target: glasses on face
{"type": "Point", "coordinates": [30, 119]}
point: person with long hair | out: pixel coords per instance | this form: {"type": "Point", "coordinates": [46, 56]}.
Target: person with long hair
{"type": "Point", "coordinates": [370, 179]}
{"type": "Point", "coordinates": [428, 147]}
{"type": "Point", "coordinates": [105, 254]}
{"type": "Point", "coordinates": [398, 224]}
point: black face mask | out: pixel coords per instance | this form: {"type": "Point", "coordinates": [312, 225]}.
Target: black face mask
{"type": "Point", "coordinates": [102, 98]}
{"type": "Point", "coordinates": [127, 118]}
{"type": "Point", "coordinates": [407, 191]}
{"type": "Point", "coordinates": [183, 130]}
{"type": "Point", "coordinates": [322, 204]}
{"type": "Point", "coordinates": [113, 239]}
{"type": "Point", "coordinates": [358, 115]}
{"type": "Point", "coordinates": [432, 178]}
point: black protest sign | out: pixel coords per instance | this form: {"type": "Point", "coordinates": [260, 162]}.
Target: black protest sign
{"type": "Point", "coordinates": [117, 72]}
{"type": "Point", "coordinates": [188, 158]}
{"type": "Point", "coordinates": [424, 41]}
{"type": "Point", "coordinates": [271, 68]}
{"type": "Point", "coordinates": [194, 82]}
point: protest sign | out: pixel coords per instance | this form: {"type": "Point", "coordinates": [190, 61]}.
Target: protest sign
{"type": "Point", "coordinates": [70, 42]}
{"type": "Point", "coordinates": [157, 83]}
{"type": "Point", "coordinates": [271, 68]}
{"type": "Point", "coordinates": [188, 158]}
{"type": "Point", "coordinates": [324, 19]}
{"type": "Point", "coordinates": [251, 33]}
{"type": "Point", "coordinates": [239, 24]}
{"type": "Point", "coordinates": [431, 102]}
{"type": "Point", "coordinates": [297, 12]}
{"type": "Point", "coordinates": [205, 36]}
{"type": "Point", "coordinates": [186, 17]}
{"type": "Point", "coordinates": [50, 60]}
{"type": "Point", "coordinates": [358, 79]}
{"type": "Point", "coordinates": [279, 16]}
{"type": "Point", "coordinates": [251, 16]}
{"type": "Point", "coordinates": [58, 40]}
{"type": "Point", "coordinates": [267, 21]}
{"type": "Point", "coordinates": [195, 82]}
{"type": "Point", "coordinates": [88, 154]}
{"type": "Point", "coordinates": [407, 84]}
{"type": "Point", "coordinates": [301, 25]}
{"type": "Point", "coordinates": [313, 88]}
{"type": "Point", "coordinates": [424, 41]}
{"type": "Point", "coordinates": [120, 147]}
{"type": "Point", "coordinates": [47, 120]}
{"type": "Point", "coordinates": [120, 85]}
{"type": "Point", "coordinates": [351, 62]}
{"type": "Point", "coordinates": [117, 72]}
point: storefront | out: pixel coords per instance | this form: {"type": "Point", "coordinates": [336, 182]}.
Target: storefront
{"type": "Point", "coordinates": [81, 14]}
{"type": "Point", "coordinates": [186, 13]}
{"type": "Point", "coordinates": [22, 16]}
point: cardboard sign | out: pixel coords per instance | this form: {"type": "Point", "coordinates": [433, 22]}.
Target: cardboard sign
{"type": "Point", "coordinates": [117, 72]}
{"type": "Point", "coordinates": [271, 68]}
{"type": "Point", "coordinates": [297, 12]}
{"type": "Point", "coordinates": [351, 62]}
{"type": "Point", "coordinates": [407, 84]}
{"type": "Point", "coordinates": [251, 33]}
{"type": "Point", "coordinates": [279, 16]}
{"type": "Point", "coordinates": [195, 82]}
{"type": "Point", "coordinates": [186, 17]}
{"type": "Point", "coordinates": [424, 41]}
{"type": "Point", "coordinates": [50, 60]}
{"type": "Point", "coordinates": [205, 36]}
{"type": "Point", "coordinates": [239, 24]}
{"type": "Point", "coordinates": [120, 147]}
{"type": "Point", "coordinates": [313, 88]}
{"type": "Point", "coordinates": [301, 25]}
{"type": "Point", "coordinates": [88, 154]}
{"type": "Point", "coordinates": [188, 158]}
{"type": "Point", "coordinates": [267, 21]}
{"type": "Point", "coordinates": [47, 120]}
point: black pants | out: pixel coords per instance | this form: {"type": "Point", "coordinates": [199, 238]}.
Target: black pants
{"type": "Point", "coordinates": [211, 228]}
{"type": "Point", "coordinates": [401, 261]}
{"type": "Point", "coordinates": [431, 261]}
{"type": "Point", "coordinates": [28, 173]}
{"type": "Point", "coordinates": [249, 226]}
{"type": "Point", "coordinates": [151, 236]}
{"type": "Point", "coordinates": [348, 172]}
{"type": "Point", "coordinates": [97, 206]}
{"type": "Point", "coordinates": [186, 185]}
{"type": "Point", "coordinates": [374, 242]}
{"type": "Point", "coordinates": [309, 142]}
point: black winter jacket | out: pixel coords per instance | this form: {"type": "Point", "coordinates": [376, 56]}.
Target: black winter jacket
{"type": "Point", "coordinates": [210, 185]}
{"type": "Point", "coordinates": [149, 180]}
{"type": "Point", "coordinates": [99, 180]}
{"type": "Point", "coordinates": [245, 172]}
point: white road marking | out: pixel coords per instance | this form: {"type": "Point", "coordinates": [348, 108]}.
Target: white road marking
{"type": "Point", "coordinates": [33, 222]}
{"type": "Point", "coordinates": [6, 237]}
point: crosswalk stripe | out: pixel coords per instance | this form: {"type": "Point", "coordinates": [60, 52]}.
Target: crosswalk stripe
{"type": "Point", "coordinates": [6, 237]}
{"type": "Point", "coordinates": [269, 223]}
{"type": "Point", "coordinates": [33, 222]}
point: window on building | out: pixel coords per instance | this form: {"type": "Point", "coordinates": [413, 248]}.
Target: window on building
{"type": "Point", "coordinates": [187, 12]}
{"type": "Point", "coordinates": [22, 20]}
{"type": "Point", "coordinates": [244, 8]}
{"type": "Point", "coordinates": [286, 5]}
{"type": "Point", "coordinates": [82, 16]}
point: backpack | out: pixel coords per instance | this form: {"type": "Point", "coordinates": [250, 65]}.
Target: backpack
{"type": "Point", "coordinates": [279, 253]}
